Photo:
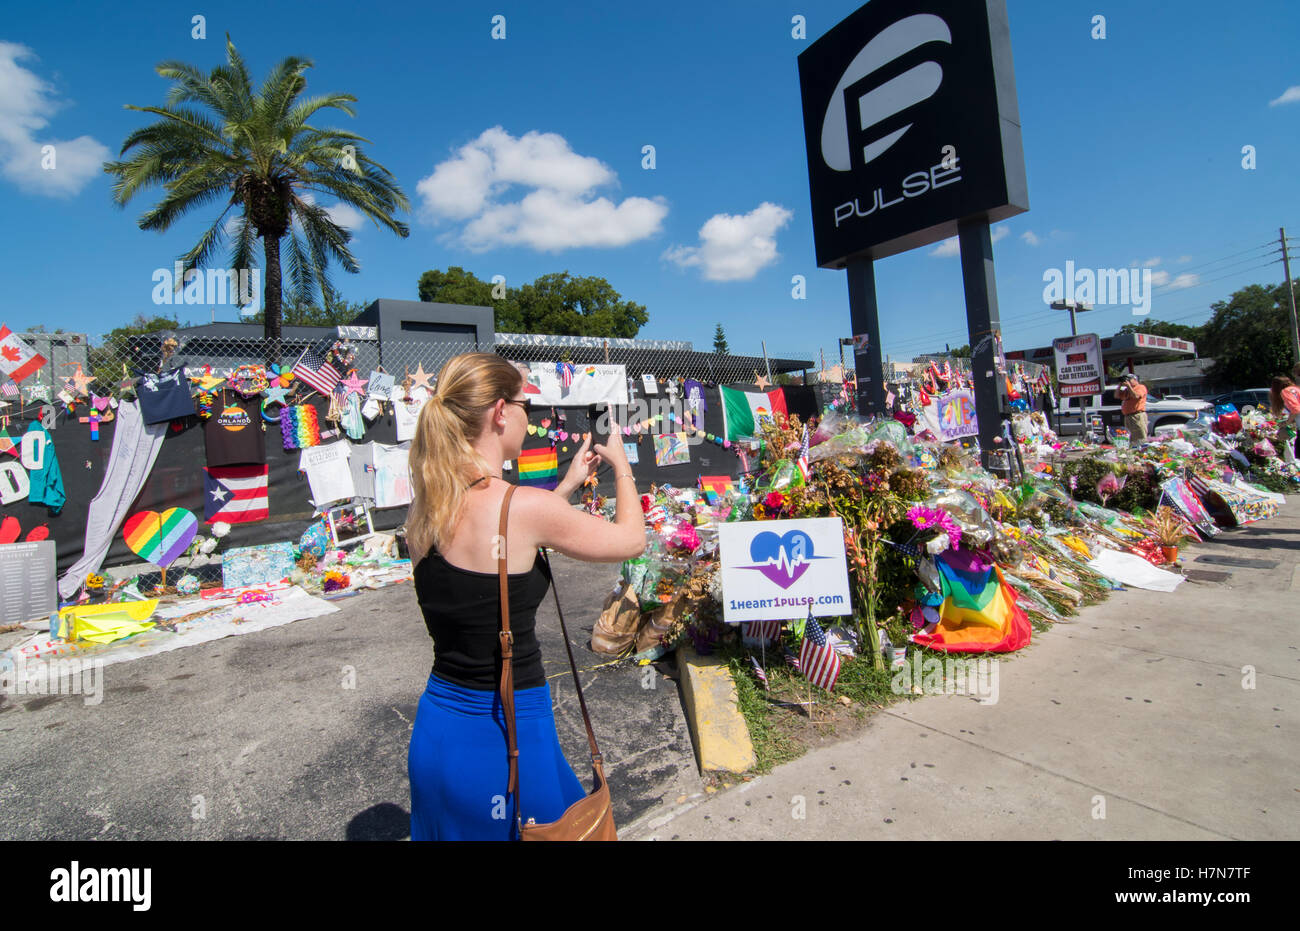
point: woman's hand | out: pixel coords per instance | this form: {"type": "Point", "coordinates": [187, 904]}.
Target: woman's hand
{"type": "Point", "coordinates": [584, 463]}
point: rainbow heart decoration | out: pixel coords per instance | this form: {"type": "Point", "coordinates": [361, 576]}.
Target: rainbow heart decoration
{"type": "Point", "coordinates": [160, 538]}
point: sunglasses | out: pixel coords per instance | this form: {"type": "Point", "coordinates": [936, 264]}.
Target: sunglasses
{"type": "Point", "coordinates": [523, 403]}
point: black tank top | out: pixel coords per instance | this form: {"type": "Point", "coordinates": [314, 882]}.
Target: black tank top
{"type": "Point", "coordinates": [462, 610]}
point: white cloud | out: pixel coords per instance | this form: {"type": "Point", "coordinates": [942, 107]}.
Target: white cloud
{"type": "Point", "coordinates": [1162, 279]}
{"type": "Point", "coordinates": [346, 216]}
{"type": "Point", "coordinates": [26, 104]}
{"type": "Point", "coordinates": [1151, 263]}
{"type": "Point", "coordinates": [559, 212]}
{"type": "Point", "coordinates": [1184, 259]}
{"type": "Point", "coordinates": [952, 246]}
{"type": "Point", "coordinates": [1290, 95]}
{"type": "Point", "coordinates": [734, 248]}
{"type": "Point", "coordinates": [1029, 238]}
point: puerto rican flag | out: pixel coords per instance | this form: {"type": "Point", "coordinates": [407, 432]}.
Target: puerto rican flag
{"type": "Point", "coordinates": [235, 494]}
{"type": "Point", "coordinates": [17, 359]}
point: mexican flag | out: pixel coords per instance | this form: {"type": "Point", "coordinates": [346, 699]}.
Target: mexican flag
{"type": "Point", "coordinates": [743, 411]}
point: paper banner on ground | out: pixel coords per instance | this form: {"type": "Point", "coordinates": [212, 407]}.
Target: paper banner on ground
{"type": "Point", "coordinates": [1128, 569]}
{"type": "Point", "coordinates": [228, 620]}
{"type": "Point", "coordinates": [592, 384]}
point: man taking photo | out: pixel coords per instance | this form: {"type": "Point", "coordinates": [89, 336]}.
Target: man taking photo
{"type": "Point", "coordinates": [1132, 395]}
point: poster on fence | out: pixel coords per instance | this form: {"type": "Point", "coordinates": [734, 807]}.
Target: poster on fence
{"type": "Point", "coordinates": [577, 385]}
{"type": "Point", "coordinates": [1078, 365]}
{"type": "Point", "coordinates": [778, 569]}
{"type": "Point", "coordinates": [956, 415]}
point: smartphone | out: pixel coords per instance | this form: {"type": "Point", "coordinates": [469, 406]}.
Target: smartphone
{"type": "Point", "coordinates": [598, 422]}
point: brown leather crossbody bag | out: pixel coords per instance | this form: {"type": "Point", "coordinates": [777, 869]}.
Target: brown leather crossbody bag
{"type": "Point", "coordinates": [591, 818]}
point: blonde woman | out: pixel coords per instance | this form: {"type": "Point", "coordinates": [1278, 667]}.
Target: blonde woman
{"type": "Point", "coordinates": [475, 421]}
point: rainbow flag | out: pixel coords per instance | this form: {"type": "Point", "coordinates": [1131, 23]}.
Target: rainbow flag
{"type": "Point", "coordinates": [979, 612]}
{"type": "Point", "coordinates": [539, 467]}
{"type": "Point", "coordinates": [714, 486]}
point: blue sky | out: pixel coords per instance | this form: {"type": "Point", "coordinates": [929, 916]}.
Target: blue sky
{"type": "Point", "coordinates": [523, 156]}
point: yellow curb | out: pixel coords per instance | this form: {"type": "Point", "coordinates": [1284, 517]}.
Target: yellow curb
{"type": "Point", "coordinates": [722, 741]}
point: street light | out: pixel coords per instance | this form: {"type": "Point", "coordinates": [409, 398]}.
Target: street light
{"type": "Point", "coordinates": [1073, 307]}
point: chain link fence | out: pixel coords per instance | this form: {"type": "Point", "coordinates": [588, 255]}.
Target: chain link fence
{"type": "Point", "coordinates": [110, 362]}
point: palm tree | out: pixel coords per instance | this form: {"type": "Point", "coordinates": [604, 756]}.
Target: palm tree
{"type": "Point", "coordinates": [259, 153]}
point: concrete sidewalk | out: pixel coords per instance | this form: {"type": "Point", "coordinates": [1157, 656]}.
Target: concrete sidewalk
{"type": "Point", "coordinates": [1133, 720]}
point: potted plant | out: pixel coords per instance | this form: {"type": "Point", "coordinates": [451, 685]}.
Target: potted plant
{"type": "Point", "coordinates": [1169, 530]}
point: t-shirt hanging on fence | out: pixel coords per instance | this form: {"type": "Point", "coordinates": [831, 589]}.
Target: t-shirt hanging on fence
{"type": "Point", "coordinates": [392, 475]}
{"type": "Point", "coordinates": [235, 434]}
{"type": "Point", "coordinates": [328, 472]}
{"type": "Point", "coordinates": [165, 396]}
{"type": "Point", "coordinates": [406, 415]}
{"type": "Point", "coordinates": [362, 464]}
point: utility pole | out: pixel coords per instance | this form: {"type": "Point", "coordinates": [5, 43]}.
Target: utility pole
{"type": "Point", "coordinates": [1290, 296]}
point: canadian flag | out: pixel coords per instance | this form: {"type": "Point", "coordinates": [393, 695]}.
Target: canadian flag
{"type": "Point", "coordinates": [17, 359]}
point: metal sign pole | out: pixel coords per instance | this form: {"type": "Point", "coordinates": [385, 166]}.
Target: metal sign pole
{"type": "Point", "coordinates": [984, 325]}
{"type": "Point", "coordinates": [865, 317]}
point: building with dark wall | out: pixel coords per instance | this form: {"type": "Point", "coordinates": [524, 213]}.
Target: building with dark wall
{"type": "Point", "coordinates": [428, 321]}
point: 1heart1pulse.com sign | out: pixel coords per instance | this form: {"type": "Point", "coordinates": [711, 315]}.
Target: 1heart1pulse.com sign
{"type": "Point", "coordinates": [911, 124]}
{"type": "Point", "coordinates": [776, 569]}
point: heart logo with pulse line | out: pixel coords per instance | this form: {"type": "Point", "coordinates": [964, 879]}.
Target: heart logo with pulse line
{"type": "Point", "coordinates": [783, 559]}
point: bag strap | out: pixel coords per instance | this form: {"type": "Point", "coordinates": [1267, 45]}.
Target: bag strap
{"type": "Point", "coordinates": [507, 640]}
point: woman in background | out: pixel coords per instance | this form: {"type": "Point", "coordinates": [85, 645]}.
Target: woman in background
{"type": "Point", "coordinates": [1284, 402]}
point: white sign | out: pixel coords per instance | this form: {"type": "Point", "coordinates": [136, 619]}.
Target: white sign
{"type": "Point", "coordinates": [775, 569]}
{"type": "Point", "coordinates": [589, 384]}
{"type": "Point", "coordinates": [1078, 365]}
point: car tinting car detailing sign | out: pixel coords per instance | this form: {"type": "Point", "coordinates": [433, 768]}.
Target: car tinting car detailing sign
{"type": "Point", "coordinates": [911, 124]}
{"type": "Point", "coordinates": [777, 569]}
{"type": "Point", "coordinates": [1078, 365]}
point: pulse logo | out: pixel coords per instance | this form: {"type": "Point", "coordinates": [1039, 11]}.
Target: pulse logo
{"type": "Point", "coordinates": [783, 559]}
{"type": "Point", "coordinates": [893, 96]}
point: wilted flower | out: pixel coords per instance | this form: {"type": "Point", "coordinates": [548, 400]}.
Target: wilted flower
{"type": "Point", "coordinates": [1109, 486]}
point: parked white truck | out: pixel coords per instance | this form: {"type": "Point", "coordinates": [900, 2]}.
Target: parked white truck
{"type": "Point", "coordinates": [1074, 415]}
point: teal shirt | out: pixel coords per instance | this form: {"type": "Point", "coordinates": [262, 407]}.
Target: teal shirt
{"type": "Point", "coordinates": [47, 482]}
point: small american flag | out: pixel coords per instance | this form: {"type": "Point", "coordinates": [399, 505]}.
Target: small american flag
{"type": "Point", "coordinates": [565, 371]}
{"type": "Point", "coordinates": [818, 659]}
{"type": "Point", "coordinates": [9, 389]}
{"type": "Point", "coordinates": [907, 549]}
{"type": "Point", "coordinates": [758, 671]}
{"type": "Point", "coordinates": [315, 371]}
{"type": "Point", "coordinates": [790, 659]}
{"type": "Point", "coordinates": [761, 631]}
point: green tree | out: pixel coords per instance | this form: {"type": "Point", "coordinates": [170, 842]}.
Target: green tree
{"type": "Point", "coordinates": [257, 151]}
{"type": "Point", "coordinates": [142, 325]}
{"type": "Point", "coordinates": [118, 348]}
{"type": "Point", "coordinates": [557, 303]}
{"type": "Point", "coordinates": [1248, 337]}
{"type": "Point", "coordinates": [720, 342]}
{"type": "Point", "coordinates": [961, 352]}
{"type": "Point", "coordinates": [299, 313]}
{"type": "Point", "coordinates": [457, 286]}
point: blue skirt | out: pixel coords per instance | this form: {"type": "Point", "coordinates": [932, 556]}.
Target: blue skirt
{"type": "Point", "coordinates": [459, 770]}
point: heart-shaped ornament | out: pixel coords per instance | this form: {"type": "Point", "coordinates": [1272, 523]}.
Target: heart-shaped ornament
{"type": "Point", "coordinates": [563, 434]}
{"type": "Point", "coordinates": [546, 423]}
{"type": "Point", "coordinates": [160, 538]}
{"type": "Point", "coordinates": [532, 430]}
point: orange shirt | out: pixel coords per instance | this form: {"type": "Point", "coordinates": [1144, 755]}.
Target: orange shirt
{"type": "Point", "coordinates": [1134, 400]}
{"type": "Point", "coordinates": [1291, 399]}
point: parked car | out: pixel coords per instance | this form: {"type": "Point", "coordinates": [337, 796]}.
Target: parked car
{"type": "Point", "coordinates": [1244, 401]}
{"type": "Point", "coordinates": [1074, 414]}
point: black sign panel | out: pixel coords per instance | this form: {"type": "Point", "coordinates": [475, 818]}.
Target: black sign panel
{"type": "Point", "coordinates": [911, 123]}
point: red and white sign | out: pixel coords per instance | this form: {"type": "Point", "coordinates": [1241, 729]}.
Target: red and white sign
{"type": "Point", "coordinates": [1078, 365]}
